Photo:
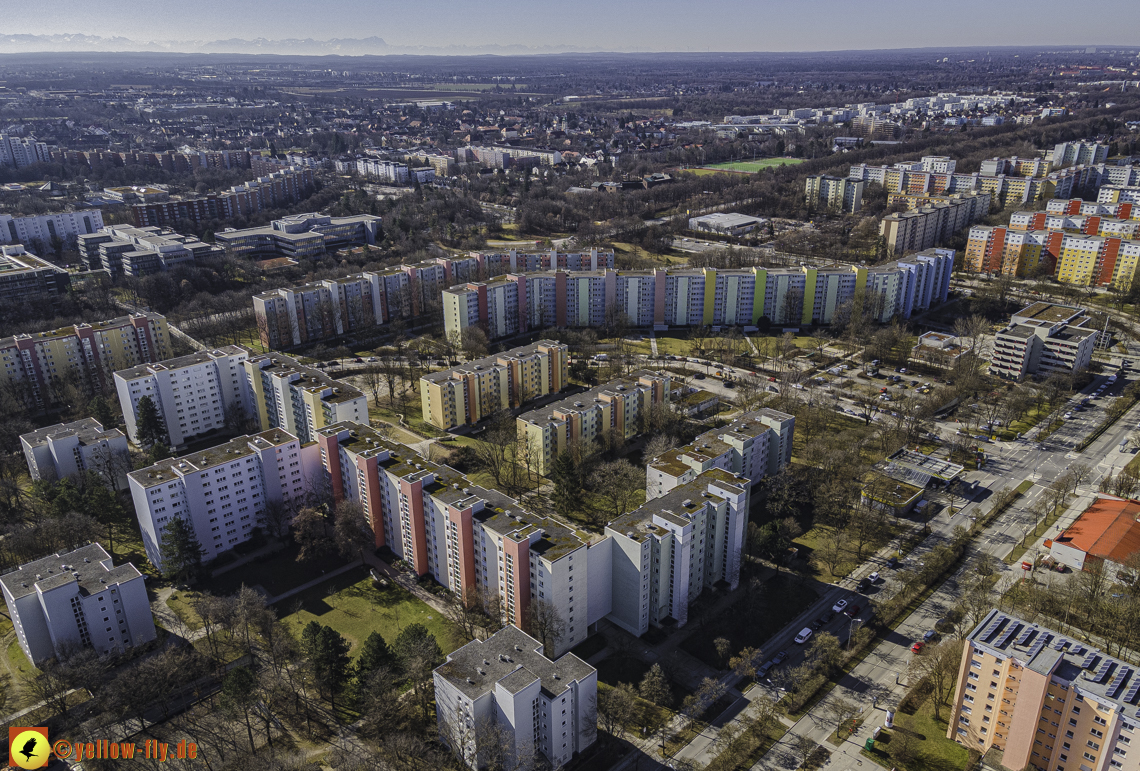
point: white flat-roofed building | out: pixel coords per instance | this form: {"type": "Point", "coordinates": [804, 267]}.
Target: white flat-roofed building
{"type": "Point", "coordinates": [194, 394]}
{"type": "Point", "coordinates": [502, 696]}
{"type": "Point", "coordinates": [222, 492]}
{"type": "Point", "coordinates": [70, 449]}
{"type": "Point", "coordinates": [77, 599]}
{"type": "Point", "coordinates": [43, 227]}
{"type": "Point", "coordinates": [726, 223]}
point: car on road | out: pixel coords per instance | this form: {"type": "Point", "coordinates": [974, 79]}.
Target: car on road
{"type": "Point", "coordinates": [893, 563]}
{"type": "Point", "coordinates": [699, 376]}
{"type": "Point", "coordinates": [827, 617]}
{"type": "Point", "coordinates": [873, 578]}
{"type": "Point", "coordinates": [780, 657]}
{"type": "Point", "coordinates": [901, 370]}
{"type": "Point", "coordinates": [930, 635]}
{"type": "Point", "coordinates": [764, 669]}
{"type": "Point", "coordinates": [918, 646]}
{"type": "Point", "coordinates": [839, 607]}
{"type": "Point", "coordinates": [804, 635]}
{"type": "Point", "coordinates": [852, 611]}
{"type": "Point", "coordinates": [1068, 416]}
{"type": "Point", "coordinates": [730, 384]}
{"type": "Point", "coordinates": [358, 360]}
{"type": "Point", "coordinates": [771, 380]}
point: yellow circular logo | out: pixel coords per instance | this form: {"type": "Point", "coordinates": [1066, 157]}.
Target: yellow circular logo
{"type": "Point", "coordinates": [30, 749]}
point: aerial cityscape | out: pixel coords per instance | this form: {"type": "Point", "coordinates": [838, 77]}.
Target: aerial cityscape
{"type": "Point", "coordinates": [757, 391]}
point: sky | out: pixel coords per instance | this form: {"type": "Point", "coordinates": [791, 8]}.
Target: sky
{"type": "Point", "coordinates": [620, 25]}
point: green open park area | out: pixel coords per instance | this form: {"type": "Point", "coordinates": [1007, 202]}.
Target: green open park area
{"type": "Point", "coordinates": [751, 167]}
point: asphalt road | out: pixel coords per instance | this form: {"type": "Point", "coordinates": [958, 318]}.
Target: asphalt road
{"type": "Point", "coordinates": [881, 678]}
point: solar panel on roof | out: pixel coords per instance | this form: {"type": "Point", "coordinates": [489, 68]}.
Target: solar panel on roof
{"type": "Point", "coordinates": [1007, 635]}
{"type": "Point", "coordinates": [1118, 681]}
{"type": "Point", "coordinates": [1059, 644]}
{"type": "Point", "coordinates": [1024, 636]}
{"type": "Point", "coordinates": [1037, 646]}
{"type": "Point", "coordinates": [1133, 689]}
{"type": "Point", "coordinates": [1102, 673]}
{"type": "Point", "coordinates": [1089, 659]}
{"type": "Point", "coordinates": [991, 630]}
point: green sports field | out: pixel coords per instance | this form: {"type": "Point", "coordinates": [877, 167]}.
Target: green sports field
{"type": "Point", "coordinates": [751, 167]}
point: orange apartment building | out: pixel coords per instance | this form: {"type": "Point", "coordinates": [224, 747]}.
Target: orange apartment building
{"type": "Point", "coordinates": [1045, 701]}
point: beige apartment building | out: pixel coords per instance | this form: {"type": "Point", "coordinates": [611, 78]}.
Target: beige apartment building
{"type": "Point", "coordinates": [587, 417]}
{"type": "Point", "coordinates": [1046, 701]}
{"type": "Point", "coordinates": [470, 392]}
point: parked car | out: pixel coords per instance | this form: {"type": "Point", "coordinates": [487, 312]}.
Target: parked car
{"type": "Point", "coordinates": [893, 563]}
{"type": "Point", "coordinates": [873, 578]}
{"type": "Point", "coordinates": [852, 611]}
{"type": "Point", "coordinates": [918, 646]}
{"type": "Point", "coordinates": [930, 635]}
{"type": "Point", "coordinates": [804, 635]}
{"type": "Point", "coordinates": [764, 669]}
{"type": "Point", "coordinates": [839, 607]}
{"type": "Point", "coordinates": [699, 376]}
{"type": "Point", "coordinates": [779, 657]}
{"type": "Point", "coordinates": [864, 585]}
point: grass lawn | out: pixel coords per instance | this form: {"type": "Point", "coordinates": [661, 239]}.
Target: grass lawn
{"type": "Point", "coordinates": [355, 606]}
{"type": "Point", "coordinates": [785, 599]}
{"type": "Point", "coordinates": [754, 166]}
{"type": "Point", "coordinates": [179, 602]}
{"type": "Point", "coordinates": [810, 541]}
{"type": "Point", "coordinates": [277, 573]}
{"type": "Point", "coordinates": [933, 751]}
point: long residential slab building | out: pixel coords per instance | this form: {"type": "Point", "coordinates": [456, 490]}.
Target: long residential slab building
{"type": "Point", "coordinates": [664, 298]}
{"type": "Point", "coordinates": [32, 363]}
{"type": "Point", "coordinates": [468, 393]}
{"type": "Point", "coordinates": [1044, 699]}
{"type": "Point", "coordinates": [323, 309]}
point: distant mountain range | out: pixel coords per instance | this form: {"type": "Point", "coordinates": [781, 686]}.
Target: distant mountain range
{"type": "Point", "coordinates": [369, 46]}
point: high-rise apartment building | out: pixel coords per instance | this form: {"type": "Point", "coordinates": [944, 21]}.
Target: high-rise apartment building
{"type": "Point", "coordinates": [287, 395]}
{"type": "Point", "coordinates": [32, 363]}
{"type": "Point", "coordinates": [1044, 699]}
{"type": "Point", "coordinates": [934, 220]}
{"type": "Point", "coordinates": [17, 152]}
{"type": "Point", "coordinates": [72, 449]}
{"type": "Point", "coordinates": [46, 228]}
{"type": "Point", "coordinates": [503, 693]}
{"type": "Point", "coordinates": [196, 394]}
{"type": "Point", "coordinates": [755, 445]}
{"type": "Point", "coordinates": [77, 599]}
{"type": "Point", "coordinates": [615, 407]}
{"type": "Point", "coordinates": [222, 492]}
{"type": "Point", "coordinates": [841, 194]}
{"type": "Point", "coordinates": [470, 392]}
{"type": "Point", "coordinates": [1079, 154]}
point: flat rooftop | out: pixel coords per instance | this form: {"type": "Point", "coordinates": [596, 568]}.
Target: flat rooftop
{"type": "Point", "coordinates": [1052, 654]}
{"type": "Point", "coordinates": [88, 431]}
{"type": "Point", "coordinates": [906, 463]}
{"type": "Point", "coordinates": [88, 566]}
{"type": "Point", "coordinates": [514, 659]}
{"type": "Point", "coordinates": [1049, 313]}
{"type": "Point", "coordinates": [239, 447]}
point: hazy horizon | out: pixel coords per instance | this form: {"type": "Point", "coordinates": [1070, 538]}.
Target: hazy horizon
{"type": "Point", "coordinates": [730, 26]}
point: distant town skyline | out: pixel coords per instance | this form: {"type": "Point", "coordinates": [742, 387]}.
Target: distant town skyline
{"type": "Point", "coordinates": [663, 25]}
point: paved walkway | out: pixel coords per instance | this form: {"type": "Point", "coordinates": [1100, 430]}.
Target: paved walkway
{"type": "Point", "coordinates": [315, 582]}
{"type": "Point", "coordinates": [653, 342]}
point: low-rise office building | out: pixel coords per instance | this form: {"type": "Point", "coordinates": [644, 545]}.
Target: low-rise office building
{"type": "Point", "coordinates": [1018, 678]}
{"type": "Point", "coordinates": [1043, 338]}
{"type": "Point", "coordinates": [77, 599]}
{"type": "Point", "coordinates": [195, 394]}
{"type": "Point", "coordinates": [502, 696]}
{"type": "Point", "coordinates": [222, 492]}
{"type": "Point", "coordinates": [130, 251]}
{"type": "Point", "coordinates": [71, 449]}
{"type": "Point", "coordinates": [755, 445]}
{"type": "Point", "coordinates": [467, 393]}
{"type": "Point", "coordinates": [24, 276]}
{"type": "Point", "coordinates": [300, 236]}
